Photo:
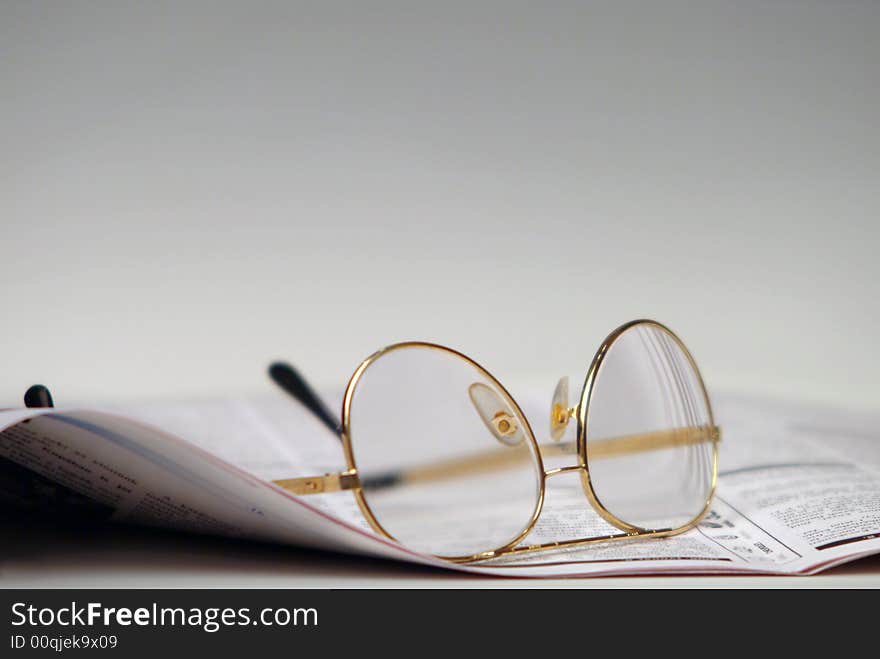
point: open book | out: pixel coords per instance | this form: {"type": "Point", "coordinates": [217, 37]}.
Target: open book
{"type": "Point", "coordinates": [799, 488]}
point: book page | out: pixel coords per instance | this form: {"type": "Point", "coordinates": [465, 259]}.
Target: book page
{"type": "Point", "coordinates": [110, 467]}
{"type": "Point", "coordinates": [798, 490]}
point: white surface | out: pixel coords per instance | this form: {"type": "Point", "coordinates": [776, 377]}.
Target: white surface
{"type": "Point", "coordinates": [190, 191]}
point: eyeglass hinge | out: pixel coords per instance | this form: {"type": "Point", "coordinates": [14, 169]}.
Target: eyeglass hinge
{"type": "Point", "coordinates": [347, 480]}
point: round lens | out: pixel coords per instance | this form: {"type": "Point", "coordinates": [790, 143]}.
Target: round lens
{"type": "Point", "coordinates": [650, 438]}
{"type": "Point", "coordinates": [447, 463]}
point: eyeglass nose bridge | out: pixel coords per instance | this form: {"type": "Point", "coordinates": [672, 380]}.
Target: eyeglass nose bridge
{"type": "Point", "coordinates": [564, 470]}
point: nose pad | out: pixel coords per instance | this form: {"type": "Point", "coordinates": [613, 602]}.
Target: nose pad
{"type": "Point", "coordinates": [496, 414]}
{"type": "Point", "coordinates": [559, 412]}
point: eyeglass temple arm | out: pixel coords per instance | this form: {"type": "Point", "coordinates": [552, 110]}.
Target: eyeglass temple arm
{"type": "Point", "coordinates": [289, 379]}
{"type": "Point", "coordinates": [494, 460]}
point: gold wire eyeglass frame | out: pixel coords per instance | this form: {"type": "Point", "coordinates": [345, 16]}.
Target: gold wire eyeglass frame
{"type": "Point", "coordinates": [349, 479]}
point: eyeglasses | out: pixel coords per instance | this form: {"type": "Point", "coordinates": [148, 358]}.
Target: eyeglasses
{"type": "Point", "coordinates": [441, 458]}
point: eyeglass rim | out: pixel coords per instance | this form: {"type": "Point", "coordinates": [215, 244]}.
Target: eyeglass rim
{"type": "Point", "coordinates": [583, 414]}
{"type": "Point", "coordinates": [361, 498]}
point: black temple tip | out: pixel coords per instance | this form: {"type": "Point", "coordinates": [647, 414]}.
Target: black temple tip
{"type": "Point", "coordinates": [289, 379]}
{"type": "Point", "coordinates": [38, 396]}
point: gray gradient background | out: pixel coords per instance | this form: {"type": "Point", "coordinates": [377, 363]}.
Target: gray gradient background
{"type": "Point", "coordinates": [189, 190]}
